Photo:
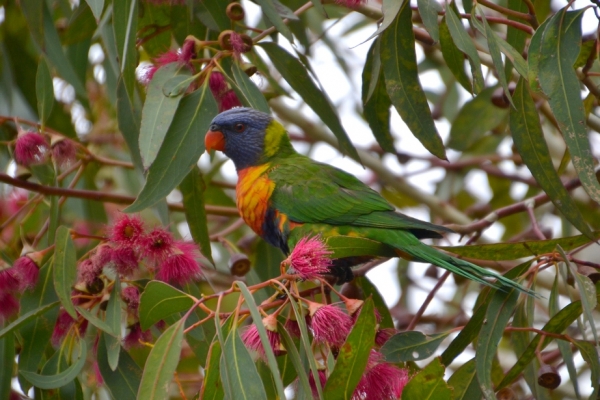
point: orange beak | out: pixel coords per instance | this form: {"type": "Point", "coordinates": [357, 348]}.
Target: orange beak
{"type": "Point", "coordinates": [214, 140]}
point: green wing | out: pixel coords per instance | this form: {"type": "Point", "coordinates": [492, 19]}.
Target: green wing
{"type": "Point", "coordinates": [311, 192]}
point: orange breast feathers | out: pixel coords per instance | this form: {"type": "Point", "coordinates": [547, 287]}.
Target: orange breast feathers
{"type": "Point", "coordinates": [254, 189]}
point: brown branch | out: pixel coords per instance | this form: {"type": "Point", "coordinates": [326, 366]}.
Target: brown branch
{"type": "Point", "coordinates": [504, 10]}
{"type": "Point", "coordinates": [102, 197]}
{"type": "Point", "coordinates": [425, 304]}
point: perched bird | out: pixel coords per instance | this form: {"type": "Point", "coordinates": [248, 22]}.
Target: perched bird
{"type": "Point", "coordinates": [285, 196]}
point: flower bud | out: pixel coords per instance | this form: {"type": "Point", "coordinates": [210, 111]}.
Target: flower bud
{"type": "Point", "coordinates": [239, 264]}
{"type": "Point", "coordinates": [548, 377]}
{"type": "Point", "coordinates": [235, 12]}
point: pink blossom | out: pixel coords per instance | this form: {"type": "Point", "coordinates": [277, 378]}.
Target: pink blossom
{"type": "Point", "coordinates": [127, 230]}
{"type": "Point", "coordinates": [97, 373]}
{"type": "Point", "coordinates": [9, 305]}
{"type": "Point", "coordinates": [313, 386]}
{"type": "Point", "coordinates": [381, 381]}
{"type": "Point", "coordinates": [181, 266]}
{"type": "Point", "coordinates": [182, 56]}
{"type": "Point", "coordinates": [26, 271]}
{"type": "Point", "coordinates": [136, 336]}
{"type": "Point", "coordinates": [293, 328]}
{"type": "Point", "coordinates": [228, 101]}
{"type": "Point", "coordinates": [64, 322]}
{"type": "Point", "coordinates": [158, 245]}
{"type": "Point", "coordinates": [351, 3]}
{"type": "Point", "coordinates": [8, 280]}
{"type": "Point", "coordinates": [329, 324]}
{"type": "Point", "coordinates": [225, 97]}
{"type": "Point", "coordinates": [88, 271]}
{"type": "Point", "coordinates": [251, 338]}
{"type": "Point", "coordinates": [16, 199]}
{"type": "Point", "coordinates": [30, 148]}
{"type": "Point", "coordinates": [125, 260]}
{"type": "Point", "coordinates": [131, 297]}
{"type": "Point", "coordinates": [237, 44]}
{"type": "Point", "coordinates": [103, 256]}
{"type": "Point", "coordinates": [309, 258]}
{"type": "Point", "coordinates": [64, 152]}
{"type": "Point", "coordinates": [383, 335]}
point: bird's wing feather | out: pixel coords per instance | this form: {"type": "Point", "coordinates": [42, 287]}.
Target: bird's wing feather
{"type": "Point", "coordinates": [311, 192]}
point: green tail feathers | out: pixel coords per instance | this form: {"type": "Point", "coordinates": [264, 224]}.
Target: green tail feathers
{"type": "Point", "coordinates": [408, 244]}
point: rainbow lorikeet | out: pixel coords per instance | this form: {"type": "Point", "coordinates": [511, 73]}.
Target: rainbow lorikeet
{"type": "Point", "coordinates": [284, 196]}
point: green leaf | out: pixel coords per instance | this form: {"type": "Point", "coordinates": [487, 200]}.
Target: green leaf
{"type": "Point", "coordinates": [464, 382]}
{"type": "Point", "coordinates": [559, 50]}
{"type": "Point", "coordinates": [529, 140]}
{"type": "Point", "coordinates": [96, 6]}
{"type": "Point", "coordinates": [62, 378]}
{"type": "Point", "coordinates": [399, 63]}
{"type": "Point", "coordinates": [557, 324]}
{"type": "Point", "coordinates": [587, 293]}
{"type": "Point", "coordinates": [192, 189]}
{"type": "Point", "coordinates": [428, 384]}
{"type": "Point", "coordinates": [589, 352]}
{"type": "Point", "coordinates": [513, 251]}
{"type": "Point", "coordinates": [249, 91]}
{"type": "Point", "coordinates": [466, 130]}
{"type": "Point", "coordinates": [370, 290]}
{"type": "Point", "coordinates": [256, 317]}
{"type": "Point", "coordinates": [241, 370]}
{"type": "Point", "coordinates": [497, 316]}
{"type": "Point", "coordinates": [158, 112]}
{"type": "Point", "coordinates": [36, 332]}
{"type": "Point", "coordinates": [353, 355]}
{"type": "Point", "coordinates": [390, 9]}
{"type": "Point", "coordinates": [376, 102]}
{"type": "Point", "coordinates": [44, 90]}
{"type": "Point", "coordinates": [124, 382]}
{"type": "Point", "coordinates": [428, 10]}
{"type": "Point", "coordinates": [65, 269]}
{"type": "Point", "coordinates": [411, 346]}
{"type": "Point", "coordinates": [129, 120]}
{"type": "Point", "coordinates": [465, 44]}
{"type": "Point", "coordinates": [212, 14]}
{"type": "Point", "coordinates": [97, 322]}
{"type": "Point", "coordinates": [296, 75]}
{"type": "Point", "coordinates": [182, 147]}
{"type": "Point", "coordinates": [7, 360]}
{"type": "Point", "coordinates": [161, 364]}
{"type": "Point", "coordinates": [294, 357]}
{"type": "Point", "coordinates": [160, 300]}
{"type": "Point", "coordinates": [494, 48]}
{"type": "Point", "coordinates": [56, 364]}
{"type": "Point", "coordinates": [212, 387]}
{"type": "Point", "coordinates": [27, 317]}
{"type": "Point", "coordinates": [455, 59]}
{"type": "Point", "coordinates": [533, 57]}
{"type": "Point", "coordinates": [125, 24]}
{"type": "Point", "coordinates": [271, 13]}
{"type": "Point", "coordinates": [113, 319]}
{"type": "Point", "coordinates": [514, 56]}
{"type": "Point", "coordinates": [348, 246]}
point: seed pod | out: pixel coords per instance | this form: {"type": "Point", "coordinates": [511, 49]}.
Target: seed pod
{"type": "Point", "coordinates": [96, 286]}
{"type": "Point", "coordinates": [432, 272]}
{"type": "Point", "coordinates": [239, 264]}
{"type": "Point", "coordinates": [235, 12]}
{"type": "Point", "coordinates": [548, 377]}
{"type": "Point", "coordinates": [506, 394]}
{"type": "Point", "coordinates": [351, 291]}
{"type": "Point", "coordinates": [225, 40]}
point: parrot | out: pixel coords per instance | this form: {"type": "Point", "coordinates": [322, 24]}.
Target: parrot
{"type": "Point", "coordinates": [284, 196]}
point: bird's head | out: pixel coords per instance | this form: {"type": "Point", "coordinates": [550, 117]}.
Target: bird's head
{"type": "Point", "coordinates": [249, 137]}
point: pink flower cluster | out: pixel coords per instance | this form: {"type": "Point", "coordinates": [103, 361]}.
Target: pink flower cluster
{"type": "Point", "coordinates": [175, 261]}
{"type": "Point", "coordinates": [182, 56]}
{"type": "Point", "coordinates": [309, 258]}
{"type": "Point", "coordinates": [23, 275]}
{"type": "Point", "coordinates": [31, 148]}
{"type": "Point", "coordinates": [225, 97]}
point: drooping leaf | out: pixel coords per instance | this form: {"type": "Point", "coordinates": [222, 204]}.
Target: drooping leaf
{"type": "Point", "coordinates": [529, 140]}
{"type": "Point", "coordinates": [455, 59]}
{"type": "Point", "coordinates": [44, 91]}
{"type": "Point", "coordinates": [411, 346]}
{"type": "Point", "coordinates": [27, 317]}
{"type": "Point", "coordinates": [464, 382]}
{"type": "Point", "coordinates": [559, 50]}
{"type": "Point", "coordinates": [428, 383]}
{"type": "Point", "coordinates": [181, 149]}
{"type": "Point", "coordinates": [63, 377]}
{"type": "Point", "coordinates": [129, 120]}
{"type": "Point", "coordinates": [161, 363]}
{"type": "Point", "coordinates": [497, 316]}
{"type": "Point", "coordinates": [466, 45]}
{"type": "Point", "coordinates": [390, 9]}
{"type": "Point", "coordinates": [428, 10]}
{"type": "Point", "coordinates": [125, 27]}
{"type": "Point", "coordinates": [296, 75]}
{"type": "Point", "coordinates": [160, 300]}
{"type": "Point", "coordinates": [270, 11]}
{"type": "Point", "coordinates": [124, 382]}
{"type": "Point", "coordinates": [353, 356]}
{"type": "Point", "coordinates": [250, 92]}
{"type": "Point", "coordinates": [533, 57]}
{"type": "Point", "coordinates": [7, 358]}
{"type": "Point", "coordinates": [212, 387]}
{"type": "Point", "coordinates": [399, 64]}
{"type": "Point", "coordinates": [376, 102]}
{"type": "Point", "coordinates": [241, 370]}
{"type": "Point", "coordinates": [113, 319]}
{"type": "Point", "coordinates": [589, 352]}
{"type": "Point", "coordinates": [212, 14]}
{"type": "Point", "coordinates": [96, 6]}
{"type": "Point", "coordinates": [158, 112]}
{"type": "Point", "coordinates": [370, 290]}
{"type": "Point", "coordinates": [65, 268]}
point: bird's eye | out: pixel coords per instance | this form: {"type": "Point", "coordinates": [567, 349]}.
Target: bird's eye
{"type": "Point", "coordinates": [239, 128]}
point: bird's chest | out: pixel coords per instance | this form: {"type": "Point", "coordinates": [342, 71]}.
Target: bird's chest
{"type": "Point", "coordinates": [254, 189]}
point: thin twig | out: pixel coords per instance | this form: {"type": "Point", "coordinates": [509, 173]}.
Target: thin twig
{"type": "Point", "coordinates": [425, 304]}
